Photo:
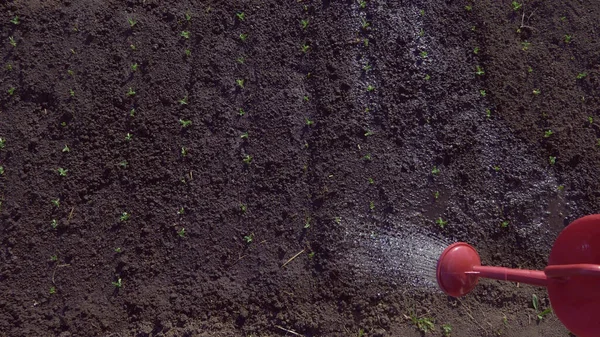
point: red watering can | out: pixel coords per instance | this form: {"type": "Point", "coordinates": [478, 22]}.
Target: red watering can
{"type": "Point", "coordinates": [572, 275]}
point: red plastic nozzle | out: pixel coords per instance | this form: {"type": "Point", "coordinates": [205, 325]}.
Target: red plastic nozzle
{"type": "Point", "coordinates": [454, 271]}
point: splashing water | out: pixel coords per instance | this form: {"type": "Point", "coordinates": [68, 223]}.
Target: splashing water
{"type": "Point", "coordinates": [408, 257]}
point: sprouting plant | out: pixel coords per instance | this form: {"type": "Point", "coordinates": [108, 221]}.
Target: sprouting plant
{"type": "Point", "coordinates": [11, 91]}
{"type": "Point", "coordinates": [243, 37]}
{"type": "Point", "coordinates": [548, 133]}
{"type": "Point", "coordinates": [55, 202]}
{"type": "Point", "coordinates": [305, 98]}
{"type": "Point", "coordinates": [369, 133]}
{"type": "Point", "coordinates": [118, 250]}
{"type": "Point", "coordinates": [244, 135]}
{"type": "Point", "coordinates": [427, 77]}
{"type": "Point", "coordinates": [371, 181]}
{"type": "Point", "coordinates": [504, 224]}
{"type": "Point", "coordinates": [62, 172]}
{"type": "Point", "coordinates": [476, 50]}
{"type": "Point", "coordinates": [591, 120]}
{"type": "Point", "coordinates": [568, 38]}
{"type": "Point", "coordinates": [184, 151]}
{"type": "Point", "coordinates": [479, 71]}
{"type": "Point", "coordinates": [183, 101]}
{"type": "Point", "coordinates": [371, 205]}
{"type": "Point", "coordinates": [241, 16]}
{"type": "Point", "coordinates": [436, 195]}
{"type": "Point", "coordinates": [560, 187]}
{"type": "Point", "coordinates": [305, 48]}
{"type": "Point", "coordinates": [435, 171]}
{"type": "Point", "coordinates": [338, 220]}
{"type": "Point", "coordinates": [364, 23]}
{"type": "Point", "coordinates": [247, 159]}
{"type": "Point", "coordinates": [422, 12]}
{"type": "Point", "coordinates": [188, 16]}
{"type": "Point", "coordinates": [53, 223]}
{"type": "Point", "coordinates": [243, 208]}
{"type": "Point", "coordinates": [125, 216]}
{"type": "Point", "coordinates": [304, 23]}
{"type": "Point", "coordinates": [423, 324]}
{"type": "Point", "coordinates": [370, 88]}
{"type": "Point", "coordinates": [1, 170]}
{"type": "Point", "coordinates": [52, 290]}
{"type": "Point", "coordinates": [552, 160]}
{"type": "Point", "coordinates": [241, 112]}
{"type": "Point", "coordinates": [308, 121]}
{"type": "Point", "coordinates": [9, 67]}
{"type": "Point", "coordinates": [447, 330]}
{"type": "Point", "coordinates": [135, 66]}
{"type": "Point", "coordinates": [53, 258]}
{"type": "Point", "coordinates": [423, 54]}
{"type": "Point", "coordinates": [468, 8]}
{"type": "Point", "coordinates": [307, 222]}
{"type": "Point", "coordinates": [128, 136]}
{"type": "Point", "coordinates": [421, 32]}
{"type": "Point", "coordinates": [488, 113]}
{"type": "Point", "coordinates": [496, 168]}
{"type": "Point", "coordinates": [15, 20]}
{"type": "Point", "coordinates": [118, 284]}
{"type": "Point", "coordinates": [366, 42]}
{"type": "Point", "coordinates": [441, 222]}
{"type": "Point", "coordinates": [516, 6]}
{"type": "Point", "coordinates": [132, 22]}
{"type": "Point", "coordinates": [124, 164]}
{"type": "Point", "coordinates": [72, 51]}
{"type": "Point", "coordinates": [240, 83]}
{"type": "Point", "coordinates": [311, 255]}
{"type": "Point", "coordinates": [581, 76]}
{"type": "Point", "coordinates": [132, 46]}
{"type": "Point", "coordinates": [525, 45]}
{"type": "Point", "coordinates": [362, 3]}
{"type": "Point", "coordinates": [72, 92]}
{"type": "Point", "coordinates": [71, 72]}
{"type": "Point", "coordinates": [131, 92]}
{"type": "Point", "coordinates": [185, 123]}
{"type": "Point", "coordinates": [185, 34]}
{"type": "Point", "coordinates": [537, 91]}
{"type": "Point", "coordinates": [367, 157]}
{"type": "Point", "coordinates": [132, 112]}
{"type": "Point", "coordinates": [181, 232]}
{"type": "Point", "coordinates": [241, 60]}
{"type": "Point", "coordinates": [12, 41]}
{"type": "Point", "coordinates": [249, 238]}
{"type": "Point", "coordinates": [188, 52]}
{"type": "Point", "coordinates": [482, 92]}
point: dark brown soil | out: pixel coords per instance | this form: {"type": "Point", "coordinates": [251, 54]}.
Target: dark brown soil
{"type": "Point", "coordinates": [327, 162]}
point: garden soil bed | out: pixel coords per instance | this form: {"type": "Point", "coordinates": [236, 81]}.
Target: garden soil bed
{"type": "Point", "coordinates": [308, 141]}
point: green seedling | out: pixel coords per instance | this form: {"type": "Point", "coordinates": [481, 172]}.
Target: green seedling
{"type": "Point", "coordinates": [423, 324]}
{"type": "Point", "coordinates": [488, 113]}
{"type": "Point", "coordinates": [124, 164]}
{"type": "Point", "coordinates": [516, 6]}
{"type": "Point", "coordinates": [132, 47]}
{"type": "Point", "coordinates": [435, 171]}
{"type": "Point", "coordinates": [135, 67]}
{"type": "Point", "coordinates": [525, 45]}
{"type": "Point", "coordinates": [552, 160]}
{"type": "Point", "coordinates": [124, 216]}
{"type": "Point", "coordinates": [241, 112]}
{"type": "Point", "coordinates": [15, 20]}
{"type": "Point", "coordinates": [1, 170]}
{"type": "Point", "coordinates": [247, 159]}
{"type": "Point", "coordinates": [362, 3]}
{"type": "Point", "coordinates": [183, 101]}
{"type": "Point", "coordinates": [548, 133]}
{"type": "Point", "coordinates": [132, 112]}
{"type": "Point", "coordinates": [9, 67]}
{"type": "Point", "coordinates": [128, 137]}
{"type": "Point", "coordinates": [62, 172]}
{"type": "Point", "coordinates": [53, 258]}
{"type": "Point", "coordinates": [436, 195]}
{"type": "Point", "coordinates": [476, 50]}
{"type": "Point", "coordinates": [185, 34]}
{"type": "Point", "coordinates": [372, 205]}
{"type": "Point", "coordinates": [367, 157]}
{"type": "Point", "coordinates": [479, 71]}
{"type": "Point", "coordinates": [338, 220]}
{"type": "Point", "coordinates": [71, 72]}
{"type": "Point", "coordinates": [482, 93]}
{"type": "Point", "coordinates": [184, 151]}
{"type": "Point", "coordinates": [243, 208]}
{"type": "Point", "coordinates": [581, 76]}
{"type": "Point", "coordinates": [423, 54]}
{"type": "Point", "coordinates": [427, 77]}
{"type": "Point", "coordinates": [11, 91]}
{"type": "Point", "coordinates": [529, 69]}
{"type": "Point", "coordinates": [53, 223]}
{"type": "Point", "coordinates": [590, 120]}
{"type": "Point", "coordinates": [181, 211]}
{"type": "Point", "coordinates": [72, 92]}
{"type": "Point", "coordinates": [496, 168]}
{"type": "Point", "coordinates": [188, 16]}
{"type": "Point", "coordinates": [369, 133]}
{"type": "Point", "coordinates": [537, 91]}
{"type": "Point", "coordinates": [185, 123]}
{"type": "Point", "coordinates": [447, 330]}
{"type": "Point", "coordinates": [441, 222]}
{"type": "Point", "coordinates": [244, 135]}
{"type": "Point", "coordinates": [188, 52]}
{"type": "Point", "coordinates": [52, 290]}
{"type": "Point", "coordinates": [364, 23]}
{"type": "Point", "coordinates": [12, 41]}
{"type": "Point", "coordinates": [63, 124]}
{"type": "Point", "coordinates": [55, 202]}
{"type": "Point", "coordinates": [132, 22]}
{"type": "Point", "coordinates": [468, 8]}
{"type": "Point", "coordinates": [366, 42]}
{"type": "Point", "coordinates": [249, 238]}
{"type": "Point", "coordinates": [371, 181]}
{"type": "Point", "coordinates": [305, 98]}
{"type": "Point", "coordinates": [568, 38]}
{"type": "Point", "coordinates": [181, 232]}
{"type": "Point", "coordinates": [560, 188]}
{"type": "Point", "coordinates": [370, 88]}
{"type": "Point", "coordinates": [311, 255]}
{"type": "Point", "coordinates": [243, 37]}
{"type": "Point", "coordinates": [308, 121]}
{"type": "Point", "coordinates": [118, 284]}
{"type": "Point", "coordinates": [241, 16]}
{"type": "Point", "coordinates": [118, 250]}
{"type": "Point", "coordinates": [240, 83]}
{"type": "Point", "coordinates": [304, 23]}
{"type": "Point", "coordinates": [131, 92]}
{"type": "Point", "coordinates": [422, 12]}
{"type": "Point", "coordinates": [504, 224]}
{"type": "Point", "coordinates": [305, 48]}
{"type": "Point", "coordinates": [241, 60]}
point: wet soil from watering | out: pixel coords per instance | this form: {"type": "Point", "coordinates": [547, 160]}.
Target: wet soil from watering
{"type": "Point", "coordinates": [221, 169]}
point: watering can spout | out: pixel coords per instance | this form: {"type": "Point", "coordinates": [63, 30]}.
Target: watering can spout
{"type": "Point", "coordinates": [532, 277]}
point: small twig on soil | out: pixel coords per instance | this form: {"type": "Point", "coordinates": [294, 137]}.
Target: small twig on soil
{"type": "Point", "coordinates": [290, 331]}
{"type": "Point", "coordinates": [71, 214]}
{"type": "Point", "coordinates": [54, 272]}
{"type": "Point", "coordinates": [293, 257]}
{"type": "Point", "coordinates": [523, 20]}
